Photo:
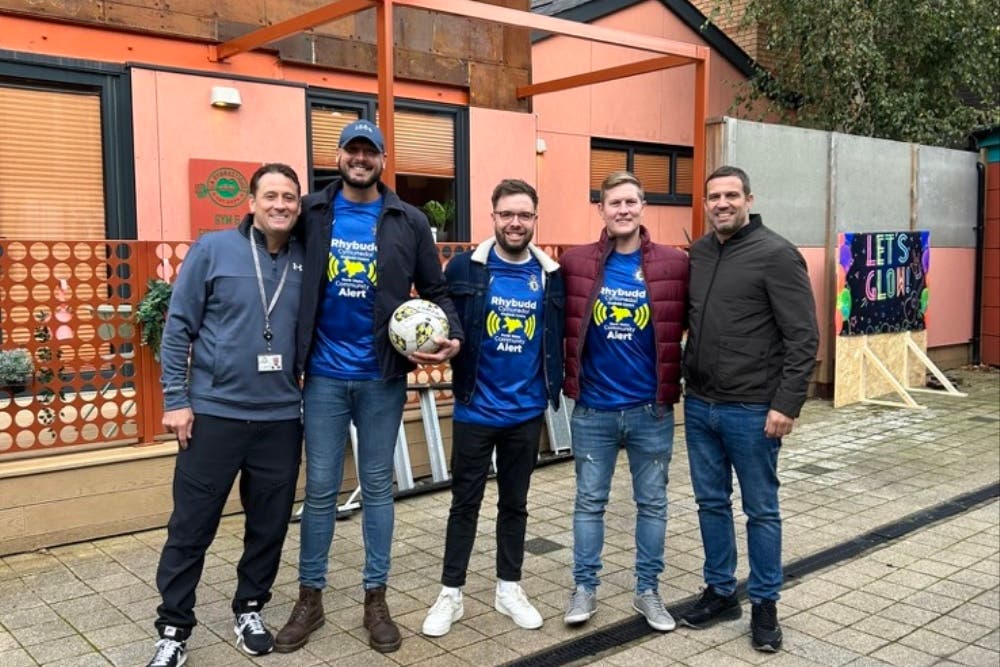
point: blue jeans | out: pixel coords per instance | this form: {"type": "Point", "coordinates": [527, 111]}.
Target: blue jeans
{"type": "Point", "coordinates": [647, 433]}
{"type": "Point", "coordinates": [376, 408]}
{"type": "Point", "coordinates": [723, 437]}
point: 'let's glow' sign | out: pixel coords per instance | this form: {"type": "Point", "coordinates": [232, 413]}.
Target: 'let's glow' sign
{"type": "Point", "coordinates": [882, 282]}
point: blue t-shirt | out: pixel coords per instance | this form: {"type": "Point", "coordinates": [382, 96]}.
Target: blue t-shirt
{"type": "Point", "coordinates": [619, 358]}
{"type": "Point", "coordinates": [344, 346]}
{"type": "Point", "coordinates": [510, 385]}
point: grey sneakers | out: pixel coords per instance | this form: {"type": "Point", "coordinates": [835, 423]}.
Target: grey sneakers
{"type": "Point", "coordinates": [582, 605]}
{"type": "Point", "coordinates": [650, 605]}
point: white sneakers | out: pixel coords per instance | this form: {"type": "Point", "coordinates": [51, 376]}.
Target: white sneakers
{"type": "Point", "coordinates": [446, 610]}
{"type": "Point", "coordinates": [510, 601]}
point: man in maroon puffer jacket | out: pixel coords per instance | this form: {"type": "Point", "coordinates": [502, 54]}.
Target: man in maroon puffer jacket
{"type": "Point", "coordinates": [626, 299]}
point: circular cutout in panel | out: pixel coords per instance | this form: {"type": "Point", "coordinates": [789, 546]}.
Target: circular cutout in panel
{"type": "Point", "coordinates": [46, 416]}
{"type": "Point", "coordinates": [164, 251]}
{"type": "Point", "coordinates": [5, 419]}
{"type": "Point", "coordinates": [109, 430]}
{"type": "Point", "coordinates": [109, 410]}
{"type": "Point", "coordinates": [67, 414]}
{"type": "Point", "coordinates": [83, 271]}
{"type": "Point", "coordinates": [47, 437]}
{"type": "Point", "coordinates": [106, 331]}
{"type": "Point", "coordinates": [40, 272]}
{"type": "Point", "coordinates": [127, 329]}
{"type": "Point", "coordinates": [41, 293]}
{"type": "Point", "coordinates": [123, 250]}
{"type": "Point", "coordinates": [67, 394]}
{"type": "Point", "coordinates": [69, 434]}
{"type": "Point", "coordinates": [19, 314]}
{"type": "Point", "coordinates": [103, 271]}
{"type": "Point", "coordinates": [42, 314]}
{"type": "Point", "coordinates": [129, 408]}
{"type": "Point", "coordinates": [67, 353]}
{"type": "Point", "coordinates": [124, 291]}
{"type": "Point", "coordinates": [20, 335]}
{"type": "Point", "coordinates": [130, 429]}
{"type": "Point", "coordinates": [16, 251]}
{"type": "Point", "coordinates": [90, 432]}
{"type": "Point", "coordinates": [85, 292]}
{"type": "Point", "coordinates": [182, 250]}
{"type": "Point", "coordinates": [62, 271]}
{"type": "Point", "coordinates": [24, 418]}
{"type": "Point", "coordinates": [164, 272]}
{"type": "Point", "coordinates": [6, 441]}
{"type": "Point", "coordinates": [17, 293]}
{"type": "Point", "coordinates": [82, 252]}
{"type": "Point", "coordinates": [124, 271]}
{"type": "Point", "coordinates": [85, 332]}
{"type": "Point", "coordinates": [88, 412]}
{"type": "Point", "coordinates": [64, 332]}
{"type": "Point", "coordinates": [60, 251]}
{"type": "Point", "coordinates": [17, 272]}
{"type": "Point", "coordinates": [39, 252]}
{"type": "Point", "coordinates": [25, 439]}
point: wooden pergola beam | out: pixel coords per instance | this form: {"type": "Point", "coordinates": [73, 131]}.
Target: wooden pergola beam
{"type": "Point", "coordinates": [602, 75]}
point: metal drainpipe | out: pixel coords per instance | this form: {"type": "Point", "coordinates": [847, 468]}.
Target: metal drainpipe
{"type": "Point", "coordinates": [977, 299]}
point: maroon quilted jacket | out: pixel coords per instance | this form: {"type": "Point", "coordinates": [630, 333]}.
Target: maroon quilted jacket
{"type": "Point", "coordinates": [665, 270]}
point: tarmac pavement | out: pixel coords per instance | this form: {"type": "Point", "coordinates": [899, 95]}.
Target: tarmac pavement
{"type": "Point", "coordinates": [922, 589]}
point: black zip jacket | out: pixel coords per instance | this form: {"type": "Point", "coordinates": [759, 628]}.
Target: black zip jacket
{"type": "Point", "coordinates": [406, 256]}
{"type": "Point", "coordinates": [752, 318]}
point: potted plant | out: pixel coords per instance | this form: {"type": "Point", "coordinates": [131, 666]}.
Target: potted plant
{"type": "Point", "coordinates": [439, 215]}
{"type": "Point", "coordinates": [16, 368]}
{"type": "Point", "coordinates": [151, 314]}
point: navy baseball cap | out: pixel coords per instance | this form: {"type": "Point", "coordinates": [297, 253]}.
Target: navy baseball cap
{"type": "Point", "coordinates": [362, 129]}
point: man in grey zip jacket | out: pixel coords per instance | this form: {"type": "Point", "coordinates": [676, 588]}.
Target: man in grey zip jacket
{"type": "Point", "coordinates": [232, 398]}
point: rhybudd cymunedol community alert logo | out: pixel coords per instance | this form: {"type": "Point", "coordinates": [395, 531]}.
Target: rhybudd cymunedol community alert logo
{"type": "Point", "coordinates": [226, 187]}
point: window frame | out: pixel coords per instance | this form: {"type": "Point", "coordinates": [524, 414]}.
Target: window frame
{"type": "Point", "coordinates": [113, 85]}
{"type": "Point", "coordinates": [630, 148]}
{"type": "Point", "coordinates": [367, 105]}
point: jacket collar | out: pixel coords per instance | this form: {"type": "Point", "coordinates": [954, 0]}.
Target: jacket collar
{"type": "Point", "coordinates": [247, 222]}
{"type": "Point", "coordinates": [746, 230]}
{"type": "Point", "coordinates": [482, 253]}
{"type": "Point", "coordinates": [606, 246]}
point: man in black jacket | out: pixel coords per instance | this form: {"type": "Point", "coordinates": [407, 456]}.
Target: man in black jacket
{"type": "Point", "coordinates": [365, 250]}
{"type": "Point", "coordinates": [750, 350]}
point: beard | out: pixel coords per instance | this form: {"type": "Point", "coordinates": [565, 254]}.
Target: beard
{"type": "Point", "coordinates": [512, 248]}
{"type": "Point", "coordinates": [360, 183]}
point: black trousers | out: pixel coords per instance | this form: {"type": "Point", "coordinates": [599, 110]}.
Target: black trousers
{"type": "Point", "coordinates": [472, 448]}
{"type": "Point", "coordinates": [267, 456]}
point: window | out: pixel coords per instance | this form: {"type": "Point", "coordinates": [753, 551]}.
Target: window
{"type": "Point", "coordinates": [65, 150]}
{"type": "Point", "coordinates": [431, 152]}
{"type": "Point", "coordinates": [666, 172]}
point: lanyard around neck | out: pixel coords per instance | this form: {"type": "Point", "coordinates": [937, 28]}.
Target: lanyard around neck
{"type": "Point", "coordinates": [268, 307]}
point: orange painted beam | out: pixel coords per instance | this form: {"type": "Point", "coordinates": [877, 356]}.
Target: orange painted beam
{"type": "Point", "coordinates": [522, 19]}
{"type": "Point", "coordinates": [700, 116]}
{"type": "Point", "coordinates": [386, 94]}
{"type": "Point", "coordinates": [296, 24]}
{"type": "Point", "coordinates": [602, 75]}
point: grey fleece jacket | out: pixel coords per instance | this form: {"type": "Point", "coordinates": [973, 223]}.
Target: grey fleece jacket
{"type": "Point", "coordinates": [216, 315]}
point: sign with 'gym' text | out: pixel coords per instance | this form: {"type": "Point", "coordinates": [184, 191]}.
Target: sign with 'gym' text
{"type": "Point", "coordinates": [218, 191]}
{"type": "Point", "coordinates": [882, 282]}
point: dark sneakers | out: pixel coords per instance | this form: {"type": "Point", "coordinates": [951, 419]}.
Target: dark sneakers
{"type": "Point", "coordinates": [764, 628]}
{"type": "Point", "coordinates": [710, 608]}
{"type": "Point", "coordinates": [251, 636]}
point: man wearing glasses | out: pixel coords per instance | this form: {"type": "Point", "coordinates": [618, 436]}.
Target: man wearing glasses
{"type": "Point", "coordinates": [625, 306]}
{"type": "Point", "coordinates": [509, 297]}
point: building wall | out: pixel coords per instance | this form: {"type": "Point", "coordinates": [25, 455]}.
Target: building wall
{"type": "Point", "coordinates": [270, 126]}
{"type": "Point", "coordinates": [990, 330]}
{"type": "Point", "coordinates": [430, 47]}
{"type": "Point", "coordinates": [656, 108]}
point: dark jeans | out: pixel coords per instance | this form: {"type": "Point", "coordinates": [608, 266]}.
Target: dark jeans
{"type": "Point", "coordinates": [472, 448]}
{"type": "Point", "coordinates": [267, 456]}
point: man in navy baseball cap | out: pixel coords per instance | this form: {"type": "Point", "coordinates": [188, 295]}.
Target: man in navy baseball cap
{"type": "Point", "coordinates": [362, 129]}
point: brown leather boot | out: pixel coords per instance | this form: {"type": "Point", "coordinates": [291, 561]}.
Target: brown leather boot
{"type": "Point", "coordinates": [383, 635]}
{"type": "Point", "coordinates": [306, 617]}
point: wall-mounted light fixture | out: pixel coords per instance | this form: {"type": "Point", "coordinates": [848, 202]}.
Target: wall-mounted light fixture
{"type": "Point", "coordinates": [540, 146]}
{"type": "Point", "coordinates": [224, 97]}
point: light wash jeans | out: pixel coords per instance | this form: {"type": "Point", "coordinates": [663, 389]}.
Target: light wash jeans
{"type": "Point", "coordinates": [722, 437]}
{"type": "Point", "coordinates": [647, 433]}
{"type": "Point", "coordinates": [375, 407]}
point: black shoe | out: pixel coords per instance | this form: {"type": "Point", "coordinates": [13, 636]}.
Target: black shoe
{"type": "Point", "coordinates": [764, 626]}
{"type": "Point", "coordinates": [711, 607]}
{"type": "Point", "coordinates": [251, 636]}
